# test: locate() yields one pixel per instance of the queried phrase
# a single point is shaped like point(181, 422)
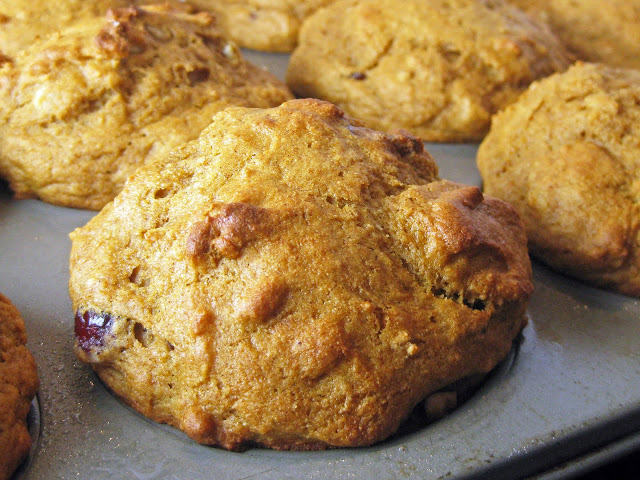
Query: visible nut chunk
point(160, 33)
point(264, 302)
point(228, 231)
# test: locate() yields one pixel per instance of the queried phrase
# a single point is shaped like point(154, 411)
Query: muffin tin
point(567, 398)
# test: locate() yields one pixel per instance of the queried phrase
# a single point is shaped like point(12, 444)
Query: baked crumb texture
point(18, 386)
point(81, 109)
point(566, 156)
point(294, 280)
point(439, 69)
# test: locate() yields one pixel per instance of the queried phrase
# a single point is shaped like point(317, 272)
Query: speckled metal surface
point(572, 385)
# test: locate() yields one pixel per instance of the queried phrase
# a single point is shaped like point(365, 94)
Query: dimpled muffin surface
point(82, 109)
point(597, 31)
point(294, 280)
point(566, 156)
point(437, 68)
point(268, 25)
point(18, 385)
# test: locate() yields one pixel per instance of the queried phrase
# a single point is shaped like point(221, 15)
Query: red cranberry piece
point(91, 328)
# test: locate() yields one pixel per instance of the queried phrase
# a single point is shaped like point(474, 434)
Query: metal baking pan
point(569, 393)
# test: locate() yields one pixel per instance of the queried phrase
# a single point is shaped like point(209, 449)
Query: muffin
point(268, 25)
point(294, 280)
point(566, 156)
point(437, 68)
point(18, 385)
point(602, 32)
point(83, 108)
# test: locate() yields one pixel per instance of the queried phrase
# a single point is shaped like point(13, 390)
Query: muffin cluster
point(294, 273)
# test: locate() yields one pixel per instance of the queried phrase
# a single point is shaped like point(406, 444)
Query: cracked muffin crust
point(437, 68)
point(294, 280)
point(268, 25)
point(596, 31)
point(566, 156)
point(81, 110)
point(18, 385)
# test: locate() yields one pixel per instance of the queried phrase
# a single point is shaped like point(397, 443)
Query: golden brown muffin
point(81, 110)
point(438, 68)
point(23, 21)
point(269, 25)
point(566, 156)
point(18, 386)
point(595, 30)
point(294, 280)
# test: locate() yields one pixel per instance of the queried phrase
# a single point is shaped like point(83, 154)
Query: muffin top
point(566, 156)
point(83, 108)
point(437, 68)
point(295, 280)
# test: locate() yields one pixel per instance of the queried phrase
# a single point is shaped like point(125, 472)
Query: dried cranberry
point(91, 328)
